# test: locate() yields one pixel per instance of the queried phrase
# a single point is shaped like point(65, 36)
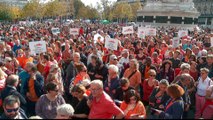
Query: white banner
point(37, 47)
point(111, 44)
point(96, 36)
point(175, 42)
point(211, 41)
point(74, 31)
point(151, 32)
point(182, 33)
point(55, 31)
point(128, 30)
point(141, 32)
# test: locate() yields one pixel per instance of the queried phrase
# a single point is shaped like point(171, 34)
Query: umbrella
point(105, 22)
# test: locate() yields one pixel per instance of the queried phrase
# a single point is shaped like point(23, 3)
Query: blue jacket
point(24, 77)
point(175, 111)
point(38, 85)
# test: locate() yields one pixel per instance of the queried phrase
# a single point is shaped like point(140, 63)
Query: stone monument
point(169, 12)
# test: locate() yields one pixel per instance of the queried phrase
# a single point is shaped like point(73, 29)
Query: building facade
point(130, 1)
point(205, 7)
point(15, 3)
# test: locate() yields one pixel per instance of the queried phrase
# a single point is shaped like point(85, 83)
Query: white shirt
point(124, 60)
point(203, 86)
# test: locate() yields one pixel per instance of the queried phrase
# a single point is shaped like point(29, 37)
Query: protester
point(133, 74)
point(159, 97)
point(132, 106)
point(34, 89)
point(64, 111)
point(112, 83)
point(166, 71)
point(47, 104)
point(207, 109)
point(82, 74)
point(148, 86)
point(81, 108)
point(203, 84)
point(101, 105)
point(175, 106)
point(121, 90)
point(12, 108)
point(12, 82)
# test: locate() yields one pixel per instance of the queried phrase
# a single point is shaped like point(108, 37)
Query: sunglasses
point(12, 110)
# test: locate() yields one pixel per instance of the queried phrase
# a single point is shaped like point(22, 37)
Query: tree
point(106, 8)
point(55, 8)
point(32, 9)
point(15, 12)
point(121, 11)
point(77, 6)
point(135, 7)
point(5, 13)
point(85, 12)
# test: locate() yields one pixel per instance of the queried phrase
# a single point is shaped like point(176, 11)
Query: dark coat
point(175, 111)
point(38, 85)
point(9, 90)
point(21, 111)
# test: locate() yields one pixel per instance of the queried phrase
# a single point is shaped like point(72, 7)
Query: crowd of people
point(78, 78)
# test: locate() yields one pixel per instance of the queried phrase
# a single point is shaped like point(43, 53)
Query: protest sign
point(111, 43)
point(37, 47)
point(55, 31)
point(141, 32)
point(96, 36)
point(151, 32)
point(74, 31)
point(128, 30)
point(175, 42)
point(182, 33)
point(211, 41)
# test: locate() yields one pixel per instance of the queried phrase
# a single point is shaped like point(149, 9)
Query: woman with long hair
point(132, 107)
point(166, 71)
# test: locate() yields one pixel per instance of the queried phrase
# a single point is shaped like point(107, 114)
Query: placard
point(211, 41)
point(74, 31)
point(151, 31)
point(141, 32)
point(55, 31)
point(175, 42)
point(96, 36)
point(128, 30)
point(182, 33)
point(111, 44)
point(37, 47)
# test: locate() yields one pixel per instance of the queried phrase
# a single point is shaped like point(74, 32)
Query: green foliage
point(5, 13)
point(85, 12)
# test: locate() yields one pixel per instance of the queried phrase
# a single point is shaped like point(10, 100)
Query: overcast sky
point(93, 2)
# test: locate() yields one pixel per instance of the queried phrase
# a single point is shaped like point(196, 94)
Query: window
point(176, 20)
point(148, 19)
point(161, 19)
